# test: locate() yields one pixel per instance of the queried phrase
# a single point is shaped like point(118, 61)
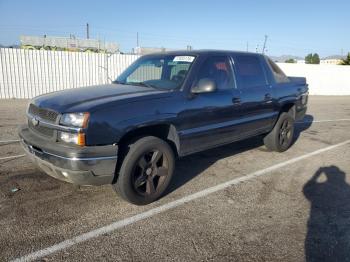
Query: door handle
point(236, 100)
point(268, 96)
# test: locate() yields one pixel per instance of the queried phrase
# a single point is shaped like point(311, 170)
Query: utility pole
point(87, 31)
point(257, 48)
point(137, 39)
point(247, 46)
point(263, 50)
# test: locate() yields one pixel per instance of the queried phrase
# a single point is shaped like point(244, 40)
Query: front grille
point(43, 113)
point(45, 131)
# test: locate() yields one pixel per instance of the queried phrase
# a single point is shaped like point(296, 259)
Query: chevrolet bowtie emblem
point(35, 121)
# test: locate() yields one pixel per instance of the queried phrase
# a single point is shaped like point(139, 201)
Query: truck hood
point(86, 99)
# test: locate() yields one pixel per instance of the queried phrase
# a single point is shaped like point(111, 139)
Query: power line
point(157, 39)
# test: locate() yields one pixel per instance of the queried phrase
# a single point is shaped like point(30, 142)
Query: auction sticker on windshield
point(188, 59)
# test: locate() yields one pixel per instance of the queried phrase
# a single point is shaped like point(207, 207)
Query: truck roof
point(202, 52)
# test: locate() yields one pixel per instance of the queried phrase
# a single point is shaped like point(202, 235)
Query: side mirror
point(204, 85)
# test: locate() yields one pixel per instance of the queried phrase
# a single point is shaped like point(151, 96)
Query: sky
point(293, 27)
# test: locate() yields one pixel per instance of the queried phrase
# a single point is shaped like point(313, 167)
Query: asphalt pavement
point(238, 202)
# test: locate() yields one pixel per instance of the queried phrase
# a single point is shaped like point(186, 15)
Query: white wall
point(322, 79)
point(29, 73)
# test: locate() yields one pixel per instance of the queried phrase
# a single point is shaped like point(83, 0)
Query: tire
point(281, 136)
point(146, 171)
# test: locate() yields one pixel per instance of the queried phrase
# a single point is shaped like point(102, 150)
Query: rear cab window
point(277, 73)
point(250, 71)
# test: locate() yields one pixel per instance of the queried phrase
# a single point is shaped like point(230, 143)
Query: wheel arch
point(164, 131)
point(288, 107)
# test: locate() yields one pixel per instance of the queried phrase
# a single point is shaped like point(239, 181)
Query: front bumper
point(82, 166)
point(300, 114)
point(301, 106)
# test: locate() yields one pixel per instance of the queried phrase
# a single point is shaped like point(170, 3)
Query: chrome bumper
point(76, 170)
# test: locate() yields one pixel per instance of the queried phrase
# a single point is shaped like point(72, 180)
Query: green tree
point(346, 61)
point(312, 59)
point(308, 59)
point(290, 60)
point(315, 59)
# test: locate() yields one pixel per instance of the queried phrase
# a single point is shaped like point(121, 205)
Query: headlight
point(75, 119)
point(72, 138)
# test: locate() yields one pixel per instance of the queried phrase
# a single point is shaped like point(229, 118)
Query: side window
point(218, 69)
point(250, 71)
point(278, 74)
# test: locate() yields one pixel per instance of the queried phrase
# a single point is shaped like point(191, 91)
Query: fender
point(149, 123)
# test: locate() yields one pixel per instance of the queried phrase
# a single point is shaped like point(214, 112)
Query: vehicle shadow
point(302, 125)
point(328, 227)
point(189, 167)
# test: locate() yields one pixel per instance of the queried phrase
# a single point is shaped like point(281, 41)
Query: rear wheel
point(281, 136)
point(146, 171)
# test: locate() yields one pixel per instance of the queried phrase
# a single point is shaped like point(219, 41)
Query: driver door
point(210, 117)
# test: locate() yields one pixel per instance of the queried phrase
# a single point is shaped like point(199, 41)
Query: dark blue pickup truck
point(163, 106)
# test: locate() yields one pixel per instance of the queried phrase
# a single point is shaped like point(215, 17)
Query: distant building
point(148, 50)
point(67, 44)
point(332, 60)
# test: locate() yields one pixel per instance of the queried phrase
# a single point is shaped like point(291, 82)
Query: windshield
point(160, 71)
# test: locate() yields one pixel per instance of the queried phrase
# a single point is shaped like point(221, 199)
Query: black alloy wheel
point(285, 132)
point(146, 170)
point(150, 172)
point(281, 136)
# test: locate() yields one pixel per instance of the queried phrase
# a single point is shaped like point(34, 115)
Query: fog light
point(68, 137)
point(78, 138)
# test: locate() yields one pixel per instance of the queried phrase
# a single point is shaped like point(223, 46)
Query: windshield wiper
point(118, 82)
point(135, 84)
point(145, 84)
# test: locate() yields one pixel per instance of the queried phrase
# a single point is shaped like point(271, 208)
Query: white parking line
point(9, 141)
point(11, 157)
point(157, 210)
point(321, 121)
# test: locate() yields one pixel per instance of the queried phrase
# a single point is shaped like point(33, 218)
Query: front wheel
point(146, 171)
point(281, 136)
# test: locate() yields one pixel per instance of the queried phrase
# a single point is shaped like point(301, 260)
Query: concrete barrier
point(322, 79)
point(28, 73)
